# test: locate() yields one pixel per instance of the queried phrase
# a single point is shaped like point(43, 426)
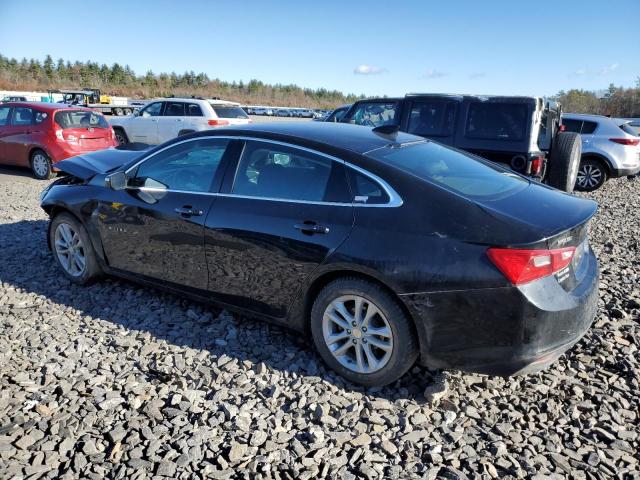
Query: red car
point(37, 135)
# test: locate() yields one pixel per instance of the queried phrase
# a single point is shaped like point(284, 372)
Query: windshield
point(224, 111)
point(374, 114)
point(453, 170)
point(80, 119)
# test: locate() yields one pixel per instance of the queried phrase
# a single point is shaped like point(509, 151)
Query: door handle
point(311, 228)
point(189, 211)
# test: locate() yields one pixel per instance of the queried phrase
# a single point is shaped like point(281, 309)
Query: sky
point(372, 47)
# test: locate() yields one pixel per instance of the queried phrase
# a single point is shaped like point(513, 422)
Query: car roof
point(344, 136)
point(46, 106)
point(584, 116)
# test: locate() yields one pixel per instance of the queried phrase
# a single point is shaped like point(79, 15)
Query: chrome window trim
point(394, 198)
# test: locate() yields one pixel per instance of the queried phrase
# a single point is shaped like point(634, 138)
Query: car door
point(155, 227)
point(587, 134)
point(5, 116)
point(170, 123)
point(280, 214)
point(144, 126)
point(16, 136)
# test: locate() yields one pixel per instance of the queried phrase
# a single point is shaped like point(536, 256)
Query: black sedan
point(382, 246)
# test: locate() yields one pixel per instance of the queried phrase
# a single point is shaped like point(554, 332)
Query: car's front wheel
point(72, 249)
point(591, 175)
point(362, 333)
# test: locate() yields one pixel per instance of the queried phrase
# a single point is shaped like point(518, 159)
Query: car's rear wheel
point(41, 165)
point(591, 175)
point(72, 249)
point(121, 137)
point(362, 333)
point(117, 111)
point(564, 161)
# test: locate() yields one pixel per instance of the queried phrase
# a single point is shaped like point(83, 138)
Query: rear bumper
point(624, 172)
point(504, 331)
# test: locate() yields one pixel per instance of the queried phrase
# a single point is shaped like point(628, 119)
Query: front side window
point(80, 119)
point(376, 114)
point(497, 121)
point(337, 115)
point(174, 109)
point(151, 110)
point(4, 115)
point(432, 118)
point(275, 171)
point(22, 116)
point(189, 166)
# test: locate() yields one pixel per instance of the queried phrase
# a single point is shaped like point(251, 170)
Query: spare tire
point(564, 161)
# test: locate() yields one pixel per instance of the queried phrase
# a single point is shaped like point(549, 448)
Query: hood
point(87, 165)
point(541, 210)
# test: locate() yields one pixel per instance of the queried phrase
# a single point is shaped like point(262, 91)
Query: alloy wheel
point(357, 334)
point(70, 250)
point(120, 138)
point(40, 164)
point(589, 176)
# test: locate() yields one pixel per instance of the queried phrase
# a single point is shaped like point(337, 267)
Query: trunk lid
point(91, 138)
point(87, 165)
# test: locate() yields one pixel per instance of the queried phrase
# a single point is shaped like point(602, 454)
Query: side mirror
point(117, 181)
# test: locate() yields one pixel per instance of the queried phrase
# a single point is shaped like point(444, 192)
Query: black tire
point(184, 132)
point(564, 161)
point(127, 111)
point(405, 345)
point(91, 267)
point(591, 175)
point(121, 136)
point(117, 111)
point(41, 166)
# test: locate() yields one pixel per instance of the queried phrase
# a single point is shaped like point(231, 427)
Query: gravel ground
point(121, 381)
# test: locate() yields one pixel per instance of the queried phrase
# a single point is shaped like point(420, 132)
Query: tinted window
point(174, 109)
point(366, 190)
point(193, 110)
point(4, 115)
point(22, 116)
point(151, 110)
point(374, 114)
point(274, 171)
point(497, 121)
point(79, 119)
point(337, 115)
point(572, 125)
point(229, 112)
point(628, 128)
point(189, 166)
point(588, 127)
point(452, 170)
point(432, 119)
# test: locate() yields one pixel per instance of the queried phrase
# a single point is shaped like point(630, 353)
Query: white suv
point(166, 118)
point(610, 148)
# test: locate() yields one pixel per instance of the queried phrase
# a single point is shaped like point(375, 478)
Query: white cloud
point(433, 73)
point(475, 75)
point(608, 69)
point(580, 72)
point(368, 70)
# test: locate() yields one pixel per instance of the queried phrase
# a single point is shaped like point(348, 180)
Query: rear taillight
point(626, 141)
point(536, 165)
point(523, 266)
point(217, 122)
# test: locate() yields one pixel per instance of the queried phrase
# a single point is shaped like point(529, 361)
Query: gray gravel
point(120, 381)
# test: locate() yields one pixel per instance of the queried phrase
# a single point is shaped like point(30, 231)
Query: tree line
point(615, 102)
point(118, 79)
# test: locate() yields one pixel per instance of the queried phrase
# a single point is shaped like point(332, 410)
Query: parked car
point(39, 135)
point(522, 132)
point(610, 148)
point(13, 98)
point(282, 112)
point(380, 248)
point(168, 118)
point(336, 115)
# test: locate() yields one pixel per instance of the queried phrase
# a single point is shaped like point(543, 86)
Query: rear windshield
point(630, 129)
point(453, 170)
point(80, 119)
point(497, 121)
point(223, 111)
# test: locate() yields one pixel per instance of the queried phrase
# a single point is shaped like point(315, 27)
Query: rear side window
point(79, 119)
point(588, 127)
point(22, 116)
point(174, 109)
point(375, 114)
point(193, 110)
point(432, 118)
point(280, 172)
point(572, 125)
point(497, 121)
point(4, 115)
point(453, 170)
point(223, 111)
point(366, 190)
